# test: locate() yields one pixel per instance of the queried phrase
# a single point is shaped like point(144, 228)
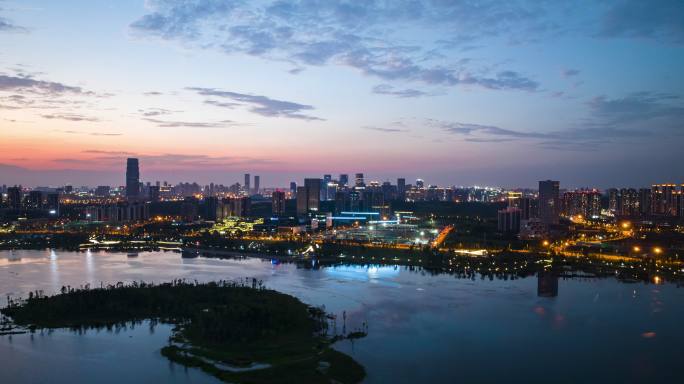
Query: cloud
point(151, 112)
point(152, 93)
point(175, 161)
point(569, 72)
point(70, 117)
point(637, 108)
point(30, 85)
point(660, 20)
point(366, 36)
point(189, 124)
point(106, 134)
point(260, 105)
point(385, 130)
point(386, 89)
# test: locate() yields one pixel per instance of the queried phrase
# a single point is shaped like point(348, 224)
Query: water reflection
point(547, 284)
point(441, 323)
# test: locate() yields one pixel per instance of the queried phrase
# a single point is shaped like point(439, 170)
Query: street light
point(636, 249)
point(657, 250)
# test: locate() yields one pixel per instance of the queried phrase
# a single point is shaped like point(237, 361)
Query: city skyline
point(589, 94)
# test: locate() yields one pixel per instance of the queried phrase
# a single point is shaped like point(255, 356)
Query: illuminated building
point(34, 200)
point(528, 208)
point(514, 199)
point(549, 201)
point(585, 202)
point(102, 191)
point(293, 188)
point(278, 203)
point(629, 202)
point(420, 183)
point(613, 200)
point(664, 199)
point(309, 196)
point(132, 178)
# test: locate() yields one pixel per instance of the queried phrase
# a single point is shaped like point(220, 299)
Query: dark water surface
point(422, 327)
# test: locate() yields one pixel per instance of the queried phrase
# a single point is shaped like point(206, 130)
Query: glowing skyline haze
point(454, 92)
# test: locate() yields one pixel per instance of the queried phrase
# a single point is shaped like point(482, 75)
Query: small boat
point(132, 254)
point(189, 253)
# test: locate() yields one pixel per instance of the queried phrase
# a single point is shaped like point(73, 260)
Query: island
point(237, 331)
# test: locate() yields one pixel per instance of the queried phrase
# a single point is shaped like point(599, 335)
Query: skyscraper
point(257, 181)
point(549, 201)
point(132, 178)
point(309, 196)
point(14, 197)
point(247, 182)
point(344, 180)
point(278, 203)
point(360, 182)
point(401, 188)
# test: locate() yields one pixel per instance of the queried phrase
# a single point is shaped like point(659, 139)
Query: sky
point(499, 93)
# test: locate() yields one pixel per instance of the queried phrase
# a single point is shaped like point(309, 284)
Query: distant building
point(278, 203)
point(247, 183)
point(344, 180)
point(14, 197)
point(509, 220)
point(119, 213)
point(629, 202)
point(34, 200)
point(52, 203)
point(257, 186)
point(644, 201)
point(309, 196)
point(360, 182)
point(549, 201)
point(584, 202)
point(664, 200)
point(293, 188)
point(401, 189)
point(102, 191)
point(132, 178)
point(155, 193)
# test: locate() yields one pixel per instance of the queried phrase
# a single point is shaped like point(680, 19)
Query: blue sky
point(455, 92)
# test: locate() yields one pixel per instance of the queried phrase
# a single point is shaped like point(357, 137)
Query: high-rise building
point(644, 201)
point(278, 203)
point(360, 182)
point(34, 200)
point(613, 200)
point(585, 202)
point(629, 202)
point(549, 201)
point(155, 193)
point(247, 183)
point(132, 178)
point(344, 180)
point(257, 186)
point(293, 188)
point(664, 199)
point(509, 220)
point(420, 183)
point(401, 188)
point(53, 203)
point(14, 197)
point(102, 191)
point(513, 199)
point(309, 196)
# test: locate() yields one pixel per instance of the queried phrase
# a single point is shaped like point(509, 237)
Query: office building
point(401, 188)
point(360, 181)
point(344, 180)
point(308, 196)
point(278, 203)
point(549, 202)
point(247, 184)
point(132, 178)
point(508, 220)
point(257, 184)
point(14, 197)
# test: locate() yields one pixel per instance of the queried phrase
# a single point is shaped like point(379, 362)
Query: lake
point(422, 327)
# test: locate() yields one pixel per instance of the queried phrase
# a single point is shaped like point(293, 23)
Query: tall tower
point(132, 178)
point(549, 201)
point(257, 181)
point(247, 183)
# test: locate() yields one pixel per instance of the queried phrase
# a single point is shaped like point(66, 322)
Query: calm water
point(422, 328)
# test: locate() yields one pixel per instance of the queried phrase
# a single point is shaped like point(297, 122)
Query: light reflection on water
point(422, 327)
